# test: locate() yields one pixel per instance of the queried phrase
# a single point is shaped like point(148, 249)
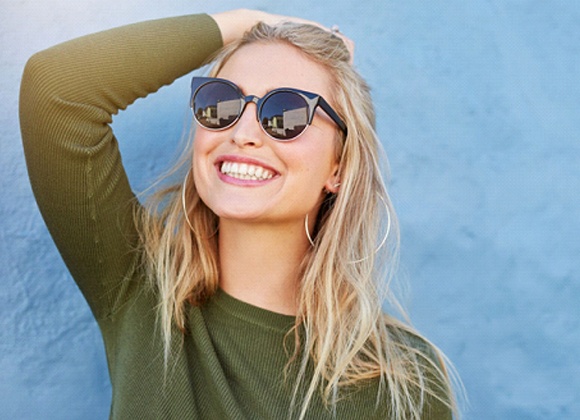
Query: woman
point(248, 290)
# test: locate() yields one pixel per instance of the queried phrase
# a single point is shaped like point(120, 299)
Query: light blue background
point(478, 106)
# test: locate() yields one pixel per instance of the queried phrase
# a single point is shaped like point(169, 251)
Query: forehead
point(260, 67)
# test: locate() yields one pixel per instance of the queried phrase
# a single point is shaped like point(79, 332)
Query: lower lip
point(243, 182)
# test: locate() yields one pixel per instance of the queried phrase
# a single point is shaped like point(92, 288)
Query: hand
point(234, 23)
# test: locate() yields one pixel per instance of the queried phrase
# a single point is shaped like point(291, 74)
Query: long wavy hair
point(342, 335)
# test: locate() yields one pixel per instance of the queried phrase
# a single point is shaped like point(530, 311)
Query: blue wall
point(479, 111)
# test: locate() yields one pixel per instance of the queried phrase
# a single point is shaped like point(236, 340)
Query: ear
point(332, 184)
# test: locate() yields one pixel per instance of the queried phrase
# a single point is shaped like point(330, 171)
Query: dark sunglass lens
point(284, 115)
point(216, 105)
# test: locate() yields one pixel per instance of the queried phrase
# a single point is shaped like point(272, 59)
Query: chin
point(240, 214)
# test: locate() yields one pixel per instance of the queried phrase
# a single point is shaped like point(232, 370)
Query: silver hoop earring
point(383, 241)
point(183, 204)
point(307, 231)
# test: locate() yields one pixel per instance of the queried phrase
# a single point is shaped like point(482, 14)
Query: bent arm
point(68, 96)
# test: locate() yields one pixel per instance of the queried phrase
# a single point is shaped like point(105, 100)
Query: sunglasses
point(284, 113)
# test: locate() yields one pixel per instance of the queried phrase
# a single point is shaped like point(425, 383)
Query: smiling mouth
point(245, 171)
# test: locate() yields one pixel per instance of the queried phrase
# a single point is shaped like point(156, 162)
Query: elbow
point(33, 94)
point(42, 87)
point(41, 92)
point(37, 78)
point(48, 74)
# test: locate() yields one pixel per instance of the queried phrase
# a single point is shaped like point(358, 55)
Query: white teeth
point(245, 171)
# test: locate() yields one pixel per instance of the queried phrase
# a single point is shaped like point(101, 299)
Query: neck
point(259, 264)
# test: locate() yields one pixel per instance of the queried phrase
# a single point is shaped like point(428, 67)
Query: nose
point(247, 131)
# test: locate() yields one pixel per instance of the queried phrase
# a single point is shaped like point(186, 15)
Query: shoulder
point(412, 342)
point(426, 369)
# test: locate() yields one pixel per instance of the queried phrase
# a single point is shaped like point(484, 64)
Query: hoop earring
point(383, 241)
point(307, 231)
point(183, 204)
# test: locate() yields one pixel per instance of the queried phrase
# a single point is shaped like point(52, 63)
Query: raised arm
point(68, 96)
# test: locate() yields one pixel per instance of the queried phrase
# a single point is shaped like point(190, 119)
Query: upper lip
point(244, 159)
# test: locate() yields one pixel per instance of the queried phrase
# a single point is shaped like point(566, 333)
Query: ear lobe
point(332, 185)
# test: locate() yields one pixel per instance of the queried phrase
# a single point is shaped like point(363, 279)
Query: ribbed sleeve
point(68, 96)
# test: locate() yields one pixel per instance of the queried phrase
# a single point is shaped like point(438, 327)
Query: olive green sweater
point(229, 364)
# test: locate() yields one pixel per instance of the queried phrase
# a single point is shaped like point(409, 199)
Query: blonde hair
point(340, 327)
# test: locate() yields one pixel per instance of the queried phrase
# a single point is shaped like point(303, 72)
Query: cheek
point(322, 153)
point(204, 144)
point(198, 152)
point(315, 163)
point(200, 142)
point(201, 162)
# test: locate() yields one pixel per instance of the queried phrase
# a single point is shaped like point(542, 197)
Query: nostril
point(243, 142)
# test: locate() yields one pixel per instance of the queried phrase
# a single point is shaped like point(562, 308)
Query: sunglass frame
point(313, 100)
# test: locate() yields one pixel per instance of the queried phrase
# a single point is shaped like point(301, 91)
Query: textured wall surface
point(479, 110)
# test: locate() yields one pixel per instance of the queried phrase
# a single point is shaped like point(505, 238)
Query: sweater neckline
point(249, 313)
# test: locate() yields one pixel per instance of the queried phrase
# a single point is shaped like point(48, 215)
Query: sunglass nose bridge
point(247, 100)
point(251, 98)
